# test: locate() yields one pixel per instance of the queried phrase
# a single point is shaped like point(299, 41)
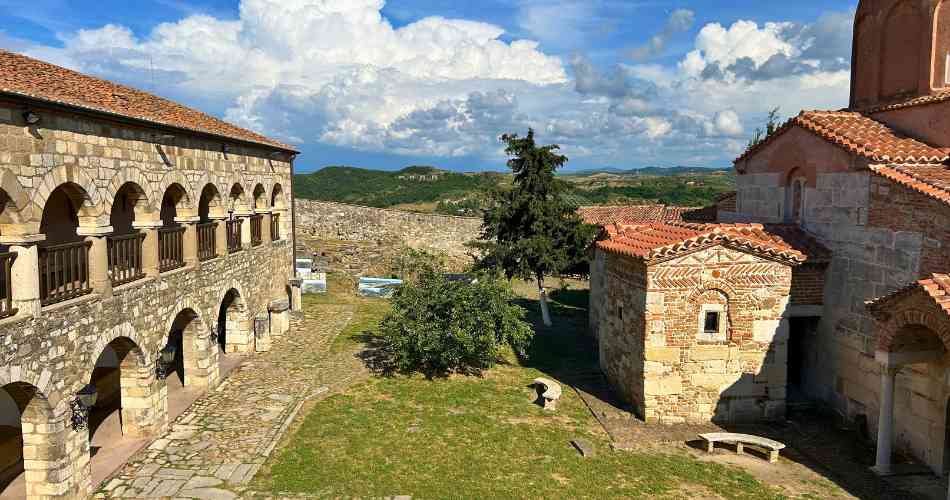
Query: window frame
point(721, 334)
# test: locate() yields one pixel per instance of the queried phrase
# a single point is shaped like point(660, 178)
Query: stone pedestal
point(245, 227)
point(150, 261)
point(221, 236)
point(279, 317)
point(296, 294)
point(262, 337)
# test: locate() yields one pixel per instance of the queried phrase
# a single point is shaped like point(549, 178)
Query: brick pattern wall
point(659, 360)
point(808, 285)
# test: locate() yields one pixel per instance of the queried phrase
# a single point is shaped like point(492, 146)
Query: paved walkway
point(216, 446)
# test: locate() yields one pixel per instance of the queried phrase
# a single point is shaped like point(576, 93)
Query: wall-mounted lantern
point(85, 400)
point(166, 359)
point(30, 117)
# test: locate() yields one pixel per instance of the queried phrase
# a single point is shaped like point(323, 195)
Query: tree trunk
point(545, 314)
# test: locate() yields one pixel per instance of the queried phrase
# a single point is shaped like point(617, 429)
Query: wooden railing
point(207, 241)
point(125, 258)
point(64, 272)
point(171, 249)
point(234, 235)
point(256, 231)
point(6, 285)
point(275, 227)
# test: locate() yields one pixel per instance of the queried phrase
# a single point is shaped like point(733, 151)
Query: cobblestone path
point(216, 447)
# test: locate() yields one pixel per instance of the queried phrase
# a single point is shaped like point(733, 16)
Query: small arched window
point(795, 197)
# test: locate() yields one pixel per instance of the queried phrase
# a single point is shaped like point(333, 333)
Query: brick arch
point(936, 322)
point(733, 302)
point(92, 203)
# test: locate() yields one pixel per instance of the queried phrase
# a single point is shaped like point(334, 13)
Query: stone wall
point(655, 352)
point(388, 230)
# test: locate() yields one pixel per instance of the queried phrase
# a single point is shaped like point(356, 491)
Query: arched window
point(795, 197)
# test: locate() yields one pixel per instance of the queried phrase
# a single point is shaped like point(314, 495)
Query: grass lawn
point(471, 437)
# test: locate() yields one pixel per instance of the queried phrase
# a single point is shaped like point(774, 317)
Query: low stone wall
point(382, 232)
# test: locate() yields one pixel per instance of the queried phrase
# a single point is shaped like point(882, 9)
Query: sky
point(391, 83)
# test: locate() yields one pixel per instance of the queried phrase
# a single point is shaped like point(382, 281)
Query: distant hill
point(654, 171)
point(430, 189)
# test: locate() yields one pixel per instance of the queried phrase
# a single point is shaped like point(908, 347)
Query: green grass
point(482, 437)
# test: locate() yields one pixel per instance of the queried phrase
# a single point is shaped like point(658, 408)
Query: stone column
point(25, 275)
point(885, 423)
point(150, 262)
point(262, 338)
point(190, 239)
point(144, 399)
point(265, 226)
point(245, 216)
point(221, 236)
point(98, 258)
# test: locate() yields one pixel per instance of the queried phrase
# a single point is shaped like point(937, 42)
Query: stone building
point(696, 317)
point(872, 184)
point(143, 246)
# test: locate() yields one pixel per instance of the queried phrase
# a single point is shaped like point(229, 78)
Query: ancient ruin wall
point(381, 231)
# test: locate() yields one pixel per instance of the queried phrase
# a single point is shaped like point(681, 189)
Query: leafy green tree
point(532, 230)
point(438, 326)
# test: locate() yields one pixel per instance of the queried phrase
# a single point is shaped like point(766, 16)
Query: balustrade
point(207, 241)
point(256, 231)
point(171, 252)
point(234, 235)
point(64, 272)
point(125, 258)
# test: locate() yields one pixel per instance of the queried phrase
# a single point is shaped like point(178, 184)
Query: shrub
point(439, 326)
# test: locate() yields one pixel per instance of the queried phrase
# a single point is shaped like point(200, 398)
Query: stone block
point(664, 386)
point(706, 353)
point(663, 354)
point(765, 330)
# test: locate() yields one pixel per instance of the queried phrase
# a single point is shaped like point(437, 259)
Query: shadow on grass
point(566, 351)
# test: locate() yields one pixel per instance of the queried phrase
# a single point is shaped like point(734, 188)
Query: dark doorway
point(801, 341)
point(946, 442)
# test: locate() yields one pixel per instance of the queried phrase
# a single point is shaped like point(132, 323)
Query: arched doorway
point(234, 327)
point(26, 417)
point(194, 365)
point(129, 406)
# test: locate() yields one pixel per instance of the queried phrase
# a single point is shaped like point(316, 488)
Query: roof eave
point(100, 113)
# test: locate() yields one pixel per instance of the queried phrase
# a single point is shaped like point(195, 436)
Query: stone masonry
point(48, 352)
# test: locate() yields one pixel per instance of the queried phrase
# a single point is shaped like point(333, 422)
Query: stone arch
point(68, 208)
point(35, 430)
point(711, 295)
point(196, 359)
point(795, 186)
point(210, 204)
point(84, 196)
point(260, 197)
point(42, 380)
point(237, 198)
point(130, 204)
point(901, 46)
point(15, 206)
point(125, 382)
point(235, 321)
point(912, 318)
point(277, 201)
point(134, 176)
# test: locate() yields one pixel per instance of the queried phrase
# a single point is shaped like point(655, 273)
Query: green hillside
point(429, 189)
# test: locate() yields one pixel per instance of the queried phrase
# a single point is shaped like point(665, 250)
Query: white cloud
point(339, 73)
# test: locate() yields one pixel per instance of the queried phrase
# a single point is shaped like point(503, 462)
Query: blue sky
point(385, 84)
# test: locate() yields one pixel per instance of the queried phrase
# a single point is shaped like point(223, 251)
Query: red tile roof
point(931, 180)
point(937, 286)
point(637, 214)
point(27, 77)
point(859, 135)
point(655, 242)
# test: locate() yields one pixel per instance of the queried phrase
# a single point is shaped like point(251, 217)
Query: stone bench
point(549, 391)
point(740, 440)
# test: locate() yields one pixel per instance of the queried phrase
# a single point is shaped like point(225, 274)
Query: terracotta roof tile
point(27, 77)
point(937, 286)
point(659, 241)
point(931, 180)
point(637, 214)
point(859, 135)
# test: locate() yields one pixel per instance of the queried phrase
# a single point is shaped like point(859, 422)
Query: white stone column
point(885, 423)
point(296, 294)
point(25, 273)
point(98, 258)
